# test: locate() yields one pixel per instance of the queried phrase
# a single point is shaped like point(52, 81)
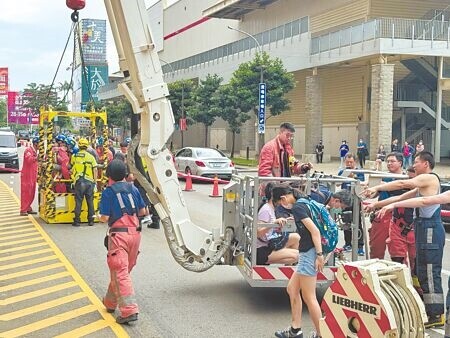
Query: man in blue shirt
point(120, 205)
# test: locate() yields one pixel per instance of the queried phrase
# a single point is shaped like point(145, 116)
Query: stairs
point(422, 107)
point(424, 71)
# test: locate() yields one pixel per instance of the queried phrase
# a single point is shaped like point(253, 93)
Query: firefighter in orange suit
point(28, 178)
point(120, 206)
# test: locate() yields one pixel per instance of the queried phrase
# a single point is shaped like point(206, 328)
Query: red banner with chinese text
point(3, 81)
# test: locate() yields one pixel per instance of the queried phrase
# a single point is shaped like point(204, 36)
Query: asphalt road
point(175, 302)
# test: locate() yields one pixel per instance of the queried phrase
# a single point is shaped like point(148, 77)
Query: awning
point(235, 9)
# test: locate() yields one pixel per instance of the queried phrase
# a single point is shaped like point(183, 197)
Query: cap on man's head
point(116, 170)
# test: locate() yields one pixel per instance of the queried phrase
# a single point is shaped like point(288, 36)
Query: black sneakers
point(288, 333)
point(126, 320)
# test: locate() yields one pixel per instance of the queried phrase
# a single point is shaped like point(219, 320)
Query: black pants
point(84, 188)
point(362, 159)
point(348, 235)
point(319, 157)
point(155, 216)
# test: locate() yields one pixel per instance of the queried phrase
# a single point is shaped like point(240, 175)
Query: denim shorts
point(307, 263)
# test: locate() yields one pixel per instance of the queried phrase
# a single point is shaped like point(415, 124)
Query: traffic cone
point(215, 192)
point(188, 186)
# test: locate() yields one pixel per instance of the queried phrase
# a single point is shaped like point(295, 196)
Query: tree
point(180, 97)
point(118, 111)
point(41, 95)
point(181, 100)
point(278, 81)
point(205, 109)
point(230, 111)
point(3, 113)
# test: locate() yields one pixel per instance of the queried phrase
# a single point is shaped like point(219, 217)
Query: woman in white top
point(274, 246)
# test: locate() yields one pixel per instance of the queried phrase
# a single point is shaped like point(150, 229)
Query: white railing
point(393, 28)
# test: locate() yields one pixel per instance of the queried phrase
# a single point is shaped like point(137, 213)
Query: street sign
point(262, 109)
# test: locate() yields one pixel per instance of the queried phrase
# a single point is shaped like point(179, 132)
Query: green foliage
point(117, 111)
point(205, 109)
point(3, 113)
point(228, 108)
point(181, 98)
point(37, 96)
point(278, 81)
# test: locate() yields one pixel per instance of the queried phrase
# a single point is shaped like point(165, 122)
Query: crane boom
point(193, 247)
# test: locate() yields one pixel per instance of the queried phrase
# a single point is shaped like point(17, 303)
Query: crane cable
point(59, 64)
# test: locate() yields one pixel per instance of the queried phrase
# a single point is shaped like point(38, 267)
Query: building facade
point(371, 69)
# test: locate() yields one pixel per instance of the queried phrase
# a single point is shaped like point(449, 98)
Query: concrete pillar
point(381, 107)
point(313, 111)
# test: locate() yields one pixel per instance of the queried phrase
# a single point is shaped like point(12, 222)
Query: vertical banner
point(262, 109)
point(183, 125)
point(3, 81)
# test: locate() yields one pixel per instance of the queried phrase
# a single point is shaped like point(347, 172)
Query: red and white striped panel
point(352, 297)
point(267, 272)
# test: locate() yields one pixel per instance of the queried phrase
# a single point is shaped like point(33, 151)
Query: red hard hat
point(75, 4)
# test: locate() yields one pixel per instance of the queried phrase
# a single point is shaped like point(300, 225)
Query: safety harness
point(80, 166)
point(126, 218)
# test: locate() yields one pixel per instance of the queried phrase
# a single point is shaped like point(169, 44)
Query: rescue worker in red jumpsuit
point(61, 164)
point(28, 178)
point(120, 205)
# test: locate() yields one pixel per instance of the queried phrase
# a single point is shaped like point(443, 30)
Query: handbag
point(279, 242)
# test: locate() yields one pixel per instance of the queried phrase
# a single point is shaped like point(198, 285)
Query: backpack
point(326, 225)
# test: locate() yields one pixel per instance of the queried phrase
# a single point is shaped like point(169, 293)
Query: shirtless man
point(429, 231)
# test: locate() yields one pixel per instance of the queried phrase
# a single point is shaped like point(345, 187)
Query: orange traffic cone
point(188, 186)
point(215, 192)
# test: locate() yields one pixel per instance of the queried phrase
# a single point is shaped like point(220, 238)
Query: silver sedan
point(206, 162)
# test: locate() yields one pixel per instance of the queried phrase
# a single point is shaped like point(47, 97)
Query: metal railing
point(279, 33)
point(394, 28)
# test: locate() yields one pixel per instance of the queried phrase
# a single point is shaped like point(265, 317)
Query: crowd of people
point(405, 222)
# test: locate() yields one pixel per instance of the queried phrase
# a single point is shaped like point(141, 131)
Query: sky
point(32, 38)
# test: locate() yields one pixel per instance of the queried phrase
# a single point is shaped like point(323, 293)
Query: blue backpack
point(326, 225)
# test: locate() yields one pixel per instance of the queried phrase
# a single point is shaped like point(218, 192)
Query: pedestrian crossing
point(41, 293)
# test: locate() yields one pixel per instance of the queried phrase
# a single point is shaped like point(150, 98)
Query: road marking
point(37, 293)
point(33, 268)
point(41, 324)
point(28, 262)
point(25, 254)
point(85, 330)
point(23, 247)
point(34, 281)
point(445, 272)
point(42, 306)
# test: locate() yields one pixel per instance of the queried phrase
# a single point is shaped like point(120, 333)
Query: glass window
point(288, 30)
point(304, 24)
point(295, 27)
point(280, 32)
point(273, 35)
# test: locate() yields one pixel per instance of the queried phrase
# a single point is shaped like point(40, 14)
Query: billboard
point(3, 81)
point(96, 77)
point(93, 41)
point(17, 113)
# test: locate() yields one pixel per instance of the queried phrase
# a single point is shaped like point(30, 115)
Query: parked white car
point(206, 162)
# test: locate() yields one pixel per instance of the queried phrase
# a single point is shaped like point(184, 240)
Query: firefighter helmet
point(83, 143)
point(61, 138)
point(36, 139)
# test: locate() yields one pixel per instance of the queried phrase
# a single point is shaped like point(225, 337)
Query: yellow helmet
point(83, 143)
